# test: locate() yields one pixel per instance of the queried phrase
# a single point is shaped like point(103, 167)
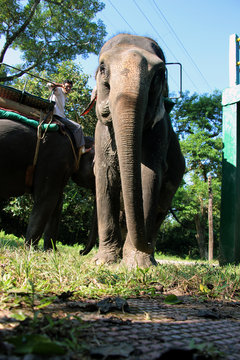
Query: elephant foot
point(49, 246)
point(133, 258)
point(31, 244)
point(103, 257)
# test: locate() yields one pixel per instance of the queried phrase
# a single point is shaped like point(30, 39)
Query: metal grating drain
point(152, 328)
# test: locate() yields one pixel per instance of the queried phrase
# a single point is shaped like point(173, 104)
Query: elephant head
point(131, 87)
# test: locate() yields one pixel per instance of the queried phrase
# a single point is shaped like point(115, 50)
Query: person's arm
point(52, 86)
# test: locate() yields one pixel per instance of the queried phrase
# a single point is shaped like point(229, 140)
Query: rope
point(39, 138)
point(31, 168)
point(48, 124)
point(76, 158)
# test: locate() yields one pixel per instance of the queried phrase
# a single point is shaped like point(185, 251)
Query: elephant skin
point(55, 165)
point(137, 152)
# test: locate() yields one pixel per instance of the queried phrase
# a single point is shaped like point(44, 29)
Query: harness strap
point(31, 168)
point(76, 157)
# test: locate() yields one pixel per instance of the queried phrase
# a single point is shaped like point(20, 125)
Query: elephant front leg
point(110, 242)
point(107, 198)
point(37, 221)
point(150, 196)
point(51, 228)
point(42, 211)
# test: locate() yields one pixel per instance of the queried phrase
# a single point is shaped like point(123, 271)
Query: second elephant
point(55, 165)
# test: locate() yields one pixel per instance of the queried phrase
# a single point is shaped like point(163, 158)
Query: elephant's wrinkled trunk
point(127, 116)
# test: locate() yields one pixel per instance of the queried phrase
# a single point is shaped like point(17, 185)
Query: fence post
point(230, 201)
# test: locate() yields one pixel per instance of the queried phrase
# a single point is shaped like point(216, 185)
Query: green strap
point(23, 119)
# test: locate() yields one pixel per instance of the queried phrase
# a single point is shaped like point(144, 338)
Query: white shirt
point(59, 97)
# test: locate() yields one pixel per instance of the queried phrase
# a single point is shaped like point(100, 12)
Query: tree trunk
point(200, 236)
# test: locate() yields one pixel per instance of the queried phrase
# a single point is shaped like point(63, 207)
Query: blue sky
point(194, 33)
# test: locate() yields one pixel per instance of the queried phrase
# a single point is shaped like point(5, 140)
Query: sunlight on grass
point(51, 273)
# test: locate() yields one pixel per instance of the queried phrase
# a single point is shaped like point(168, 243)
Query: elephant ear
point(165, 106)
point(160, 111)
point(169, 104)
point(158, 102)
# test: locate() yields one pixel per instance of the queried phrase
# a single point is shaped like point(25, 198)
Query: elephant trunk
point(128, 116)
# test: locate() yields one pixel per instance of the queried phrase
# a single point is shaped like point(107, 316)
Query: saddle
point(33, 111)
point(30, 110)
point(26, 108)
point(24, 103)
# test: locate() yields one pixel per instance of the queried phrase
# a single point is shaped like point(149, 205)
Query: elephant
point(137, 152)
point(55, 165)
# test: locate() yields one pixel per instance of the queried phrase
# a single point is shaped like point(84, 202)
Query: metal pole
point(180, 78)
point(210, 220)
point(234, 60)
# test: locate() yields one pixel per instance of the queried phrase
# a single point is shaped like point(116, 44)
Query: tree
point(198, 121)
point(48, 32)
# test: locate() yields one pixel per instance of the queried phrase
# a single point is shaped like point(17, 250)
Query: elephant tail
point(176, 218)
point(92, 238)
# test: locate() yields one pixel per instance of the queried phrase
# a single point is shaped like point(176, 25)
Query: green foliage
point(198, 121)
point(20, 207)
point(172, 300)
point(207, 350)
point(49, 32)
point(76, 218)
point(36, 344)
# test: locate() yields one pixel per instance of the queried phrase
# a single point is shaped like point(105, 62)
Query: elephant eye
point(102, 69)
point(105, 75)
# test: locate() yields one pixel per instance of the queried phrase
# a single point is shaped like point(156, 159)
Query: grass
point(52, 273)
point(31, 280)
